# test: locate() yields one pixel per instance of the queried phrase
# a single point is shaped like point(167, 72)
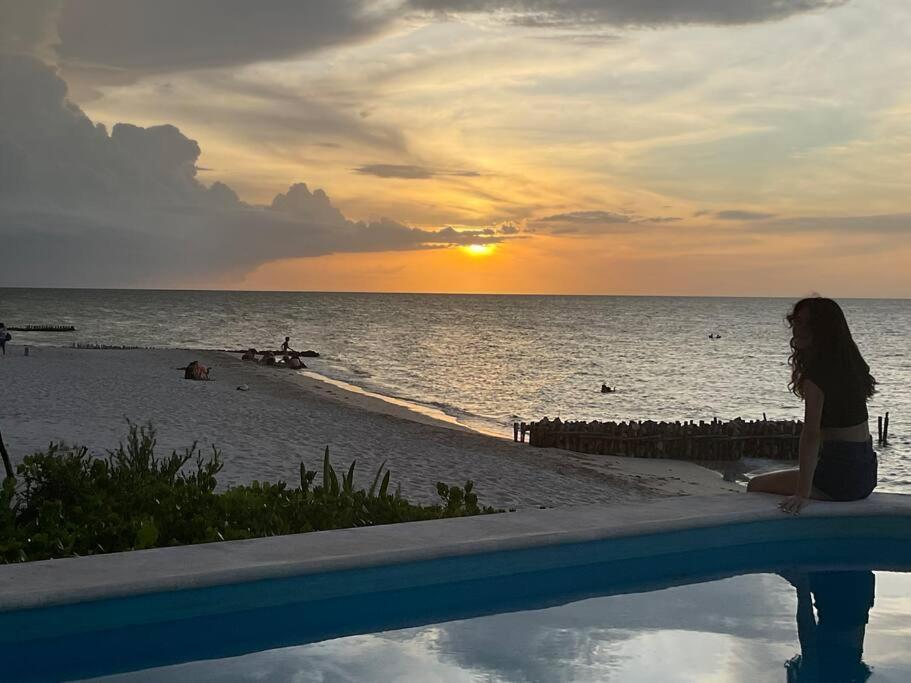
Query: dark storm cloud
point(587, 217)
point(734, 215)
point(584, 223)
point(561, 13)
point(160, 35)
point(28, 27)
point(410, 172)
point(881, 224)
point(124, 38)
point(79, 206)
point(597, 222)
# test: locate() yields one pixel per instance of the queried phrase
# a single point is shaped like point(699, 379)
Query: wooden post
point(886, 429)
point(7, 465)
point(515, 431)
point(879, 430)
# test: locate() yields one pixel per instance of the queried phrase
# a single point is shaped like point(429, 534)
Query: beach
point(86, 397)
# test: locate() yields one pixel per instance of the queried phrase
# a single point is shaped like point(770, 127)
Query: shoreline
point(84, 398)
point(369, 399)
point(391, 405)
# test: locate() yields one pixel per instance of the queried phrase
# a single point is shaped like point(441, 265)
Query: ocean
point(488, 360)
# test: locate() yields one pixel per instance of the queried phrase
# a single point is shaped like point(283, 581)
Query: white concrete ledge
point(77, 580)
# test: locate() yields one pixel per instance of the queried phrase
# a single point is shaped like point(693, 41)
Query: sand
point(85, 397)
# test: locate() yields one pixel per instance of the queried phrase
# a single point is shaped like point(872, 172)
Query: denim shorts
point(846, 469)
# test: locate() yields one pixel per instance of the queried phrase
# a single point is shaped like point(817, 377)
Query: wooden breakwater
point(882, 433)
point(42, 328)
point(93, 346)
point(688, 440)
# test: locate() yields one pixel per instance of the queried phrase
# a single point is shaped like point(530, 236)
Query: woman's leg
point(782, 482)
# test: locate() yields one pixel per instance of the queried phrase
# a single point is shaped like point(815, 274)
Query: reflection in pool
point(811, 627)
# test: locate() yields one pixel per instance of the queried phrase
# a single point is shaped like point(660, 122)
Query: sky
point(693, 147)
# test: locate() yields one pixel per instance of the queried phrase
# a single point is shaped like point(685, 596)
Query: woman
point(836, 456)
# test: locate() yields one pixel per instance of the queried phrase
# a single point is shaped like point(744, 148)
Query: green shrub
point(66, 502)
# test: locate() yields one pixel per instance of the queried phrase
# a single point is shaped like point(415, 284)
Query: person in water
point(286, 345)
point(836, 456)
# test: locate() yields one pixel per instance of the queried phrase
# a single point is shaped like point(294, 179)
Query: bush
point(68, 503)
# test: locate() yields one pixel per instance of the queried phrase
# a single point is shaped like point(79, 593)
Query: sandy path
point(85, 397)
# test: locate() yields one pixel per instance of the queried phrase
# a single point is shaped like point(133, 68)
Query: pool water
point(739, 629)
point(738, 602)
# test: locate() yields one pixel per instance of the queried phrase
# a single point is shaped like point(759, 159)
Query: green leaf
point(348, 481)
point(326, 468)
point(333, 482)
point(376, 479)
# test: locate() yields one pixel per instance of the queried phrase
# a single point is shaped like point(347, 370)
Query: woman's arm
point(810, 438)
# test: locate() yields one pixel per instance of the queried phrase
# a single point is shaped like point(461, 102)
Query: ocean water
point(488, 360)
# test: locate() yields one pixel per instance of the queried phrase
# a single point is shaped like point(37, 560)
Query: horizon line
point(479, 294)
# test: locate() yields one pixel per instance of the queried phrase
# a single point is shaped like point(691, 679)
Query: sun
point(479, 249)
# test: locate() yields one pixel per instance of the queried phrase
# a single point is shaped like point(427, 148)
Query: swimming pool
point(741, 629)
point(657, 606)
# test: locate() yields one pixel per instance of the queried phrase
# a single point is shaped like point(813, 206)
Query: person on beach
point(4, 337)
point(286, 345)
point(836, 456)
point(196, 370)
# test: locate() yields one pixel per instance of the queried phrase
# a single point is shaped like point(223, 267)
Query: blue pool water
point(714, 604)
point(741, 629)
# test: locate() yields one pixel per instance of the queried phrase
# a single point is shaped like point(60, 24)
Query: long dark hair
point(832, 346)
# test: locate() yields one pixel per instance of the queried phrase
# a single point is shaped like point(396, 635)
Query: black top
point(845, 403)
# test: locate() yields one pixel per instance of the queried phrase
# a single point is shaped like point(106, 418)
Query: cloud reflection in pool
point(736, 630)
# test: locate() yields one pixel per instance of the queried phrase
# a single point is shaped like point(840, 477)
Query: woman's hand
point(793, 504)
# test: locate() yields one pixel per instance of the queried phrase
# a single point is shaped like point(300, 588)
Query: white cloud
point(81, 207)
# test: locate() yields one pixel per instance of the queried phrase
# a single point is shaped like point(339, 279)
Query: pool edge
point(116, 575)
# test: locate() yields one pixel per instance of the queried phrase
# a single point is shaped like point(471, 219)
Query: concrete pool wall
point(124, 612)
point(721, 520)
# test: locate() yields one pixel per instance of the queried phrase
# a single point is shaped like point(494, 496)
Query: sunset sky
point(730, 147)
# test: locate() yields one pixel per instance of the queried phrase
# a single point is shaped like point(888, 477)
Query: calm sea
point(489, 360)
